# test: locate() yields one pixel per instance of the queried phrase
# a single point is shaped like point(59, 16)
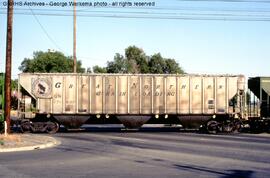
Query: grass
point(9, 138)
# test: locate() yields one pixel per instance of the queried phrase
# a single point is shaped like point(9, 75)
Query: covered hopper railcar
point(47, 100)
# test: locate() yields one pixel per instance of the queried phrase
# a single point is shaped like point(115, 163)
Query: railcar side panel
point(70, 92)
point(158, 95)
point(184, 98)
point(146, 98)
point(122, 96)
point(171, 95)
point(96, 94)
point(110, 95)
point(134, 93)
point(232, 91)
point(196, 98)
point(83, 94)
point(44, 105)
point(208, 90)
point(57, 97)
point(221, 94)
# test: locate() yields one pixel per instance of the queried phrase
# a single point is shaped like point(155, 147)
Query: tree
point(137, 60)
point(49, 62)
point(172, 67)
point(157, 64)
point(97, 69)
point(14, 84)
point(118, 65)
point(89, 70)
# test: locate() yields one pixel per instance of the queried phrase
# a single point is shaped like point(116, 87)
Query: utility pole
point(8, 65)
point(74, 38)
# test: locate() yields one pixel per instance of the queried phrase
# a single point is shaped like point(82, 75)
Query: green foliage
point(119, 65)
point(14, 84)
point(157, 64)
point(172, 67)
point(97, 69)
point(49, 62)
point(136, 61)
point(89, 70)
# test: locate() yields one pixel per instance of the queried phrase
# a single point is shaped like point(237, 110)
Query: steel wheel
point(52, 127)
point(26, 127)
point(212, 126)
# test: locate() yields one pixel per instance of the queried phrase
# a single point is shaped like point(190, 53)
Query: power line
point(183, 16)
point(240, 13)
point(168, 8)
point(148, 12)
point(44, 30)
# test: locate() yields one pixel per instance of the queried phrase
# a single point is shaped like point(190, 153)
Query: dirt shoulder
point(26, 142)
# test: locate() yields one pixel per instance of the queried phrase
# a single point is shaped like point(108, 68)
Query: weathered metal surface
point(135, 103)
point(191, 121)
point(158, 95)
point(171, 94)
point(96, 91)
point(83, 94)
point(57, 97)
point(122, 94)
point(133, 122)
point(71, 121)
point(110, 95)
point(184, 95)
point(146, 95)
point(208, 98)
point(221, 95)
point(70, 94)
point(196, 95)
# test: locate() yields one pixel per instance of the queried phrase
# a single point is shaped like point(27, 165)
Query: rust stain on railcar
point(171, 94)
point(70, 92)
point(110, 95)
point(83, 94)
point(134, 95)
point(96, 94)
point(122, 103)
point(146, 99)
point(208, 90)
point(158, 95)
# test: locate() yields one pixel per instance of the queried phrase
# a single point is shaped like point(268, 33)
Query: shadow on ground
point(121, 128)
point(223, 174)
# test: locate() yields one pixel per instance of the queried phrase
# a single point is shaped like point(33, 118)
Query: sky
point(204, 37)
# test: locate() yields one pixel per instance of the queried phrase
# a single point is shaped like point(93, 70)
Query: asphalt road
point(149, 153)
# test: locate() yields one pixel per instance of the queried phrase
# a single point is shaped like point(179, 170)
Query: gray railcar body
point(134, 98)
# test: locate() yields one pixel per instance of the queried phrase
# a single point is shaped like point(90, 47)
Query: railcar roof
point(122, 74)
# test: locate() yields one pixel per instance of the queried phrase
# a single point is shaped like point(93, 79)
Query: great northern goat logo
point(41, 88)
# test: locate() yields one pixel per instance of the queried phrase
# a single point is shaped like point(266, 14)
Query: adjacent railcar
point(48, 100)
point(258, 102)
